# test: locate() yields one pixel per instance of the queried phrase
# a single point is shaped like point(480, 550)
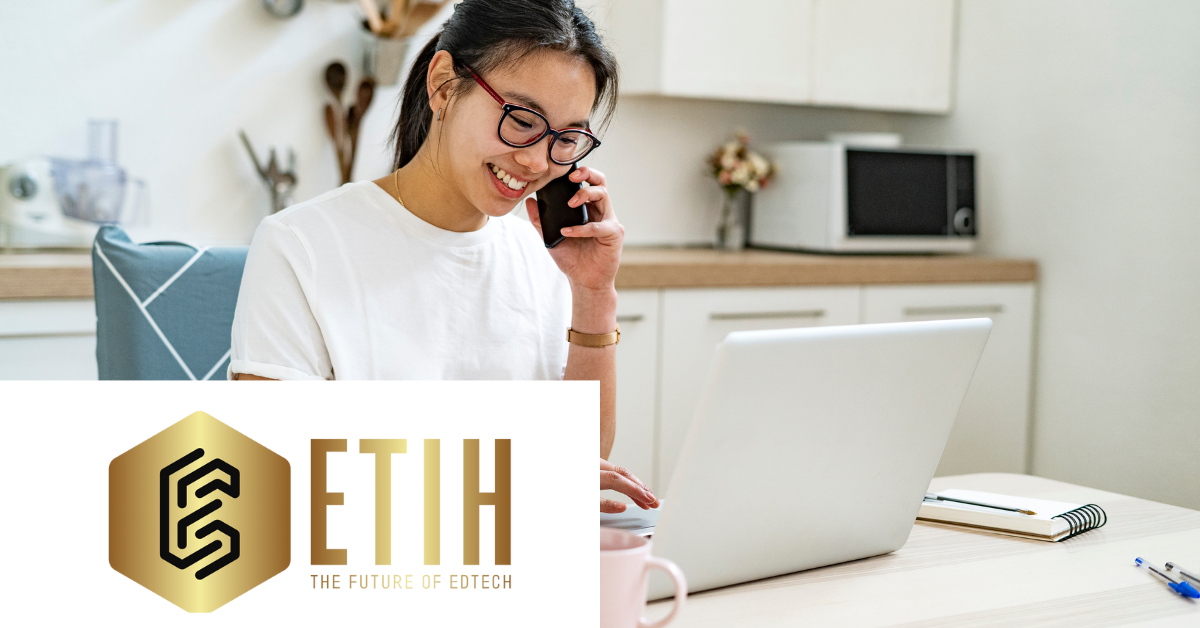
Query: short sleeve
point(275, 333)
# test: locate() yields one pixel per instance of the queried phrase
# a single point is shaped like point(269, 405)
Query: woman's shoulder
point(313, 218)
point(350, 195)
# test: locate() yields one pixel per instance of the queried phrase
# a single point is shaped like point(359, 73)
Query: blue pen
point(1183, 572)
point(1182, 588)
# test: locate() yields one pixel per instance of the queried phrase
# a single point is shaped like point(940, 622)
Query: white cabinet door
point(884, 54)
point(991, 430)
point(694, 321)
point(749, 50)
point(869, 54)
point(637, 384)
point(48, 339)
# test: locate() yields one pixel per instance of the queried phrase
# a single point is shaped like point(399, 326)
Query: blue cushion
point(164, 310)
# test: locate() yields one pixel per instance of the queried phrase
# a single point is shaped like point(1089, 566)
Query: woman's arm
point(589, 257)
point(596, 313)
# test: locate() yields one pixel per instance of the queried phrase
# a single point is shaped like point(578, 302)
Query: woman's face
point(560, 87)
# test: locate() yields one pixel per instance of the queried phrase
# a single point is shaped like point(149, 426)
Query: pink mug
point(625, 562)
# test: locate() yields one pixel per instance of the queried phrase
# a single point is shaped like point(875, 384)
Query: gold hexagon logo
point(199, 513)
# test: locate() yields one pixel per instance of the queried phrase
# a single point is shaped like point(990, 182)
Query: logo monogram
point(202, 528)
point(231, 488)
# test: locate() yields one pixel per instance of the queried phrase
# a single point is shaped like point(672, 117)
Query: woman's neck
point(432, 197)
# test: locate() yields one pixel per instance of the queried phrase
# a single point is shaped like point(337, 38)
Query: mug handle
point(680, 590)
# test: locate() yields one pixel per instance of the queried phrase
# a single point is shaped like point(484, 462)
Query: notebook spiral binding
point(1082, 519)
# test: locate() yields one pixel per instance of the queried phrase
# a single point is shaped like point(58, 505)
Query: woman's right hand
point(621, 480)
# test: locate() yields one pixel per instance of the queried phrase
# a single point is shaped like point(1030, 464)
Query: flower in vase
point(736, 167)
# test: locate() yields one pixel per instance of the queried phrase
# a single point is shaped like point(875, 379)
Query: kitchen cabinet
point(637, 383)
point(874, 54)
point(705, 51)
point(48, 339)
point(695, 320)
point(892, 55)
point(991, 431)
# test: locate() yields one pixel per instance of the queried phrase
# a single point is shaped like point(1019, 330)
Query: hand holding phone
point(554, 212)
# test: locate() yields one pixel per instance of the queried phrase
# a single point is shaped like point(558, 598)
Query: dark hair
point(487, 34)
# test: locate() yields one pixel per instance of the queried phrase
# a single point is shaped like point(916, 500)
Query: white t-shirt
point(351, 285)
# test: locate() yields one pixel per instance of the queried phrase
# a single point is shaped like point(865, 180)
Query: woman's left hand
point(621, 480)
point(590, 254)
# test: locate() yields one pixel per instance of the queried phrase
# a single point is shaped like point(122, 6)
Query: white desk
point(948, 576)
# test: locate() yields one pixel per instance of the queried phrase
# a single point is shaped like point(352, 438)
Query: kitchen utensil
point(335, 133)
point(418, 15)
point(94, 189)
point(394, 18)
point(374, 20)
point(399, 7)
point(384, 57)
point(335, 79)
point(344, 133)
point(363, 98)
point(283, 8)
point(366, 93)
point(280, 183)
point(347, 163)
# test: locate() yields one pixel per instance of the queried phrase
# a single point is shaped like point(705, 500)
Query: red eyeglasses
point(521, 126)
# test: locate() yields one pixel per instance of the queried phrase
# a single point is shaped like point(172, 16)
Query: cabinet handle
point(958, 310)
point(749, 316)
point(630, 318)
point(46, 334)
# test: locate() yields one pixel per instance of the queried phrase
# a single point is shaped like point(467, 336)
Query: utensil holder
point(384, 57)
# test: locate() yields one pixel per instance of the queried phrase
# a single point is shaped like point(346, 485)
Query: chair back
point(164, 310)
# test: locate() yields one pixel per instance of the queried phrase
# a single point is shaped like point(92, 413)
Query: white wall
point(182, 76)
point(1086, 116)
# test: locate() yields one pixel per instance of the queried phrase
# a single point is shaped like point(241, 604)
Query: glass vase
point(733, 226)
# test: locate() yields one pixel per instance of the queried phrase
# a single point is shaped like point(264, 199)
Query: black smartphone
point(554, 212)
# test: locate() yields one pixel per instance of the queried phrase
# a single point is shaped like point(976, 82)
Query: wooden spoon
point(399, 8)
point(366, 93)
point(335, 79)
point(418, 15)
point(374, 20)
point(339, 142)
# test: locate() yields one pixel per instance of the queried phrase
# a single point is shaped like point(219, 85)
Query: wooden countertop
point(69, 275)
point(702, 268)
point(46, 276)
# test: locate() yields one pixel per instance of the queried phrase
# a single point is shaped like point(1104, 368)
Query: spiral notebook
point(1054, 521)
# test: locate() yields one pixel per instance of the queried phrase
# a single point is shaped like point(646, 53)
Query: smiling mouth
point(507, 179)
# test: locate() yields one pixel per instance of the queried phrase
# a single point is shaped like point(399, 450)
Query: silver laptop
point(810, 447)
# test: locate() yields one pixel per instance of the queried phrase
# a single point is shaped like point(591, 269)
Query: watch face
point(283, 8)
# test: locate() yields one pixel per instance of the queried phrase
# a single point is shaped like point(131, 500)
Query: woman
point(424, 274)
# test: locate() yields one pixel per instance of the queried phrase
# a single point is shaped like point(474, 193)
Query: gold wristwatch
point(594, 340)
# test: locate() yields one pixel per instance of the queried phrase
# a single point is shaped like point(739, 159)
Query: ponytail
point(415, 115)
point(485, 35)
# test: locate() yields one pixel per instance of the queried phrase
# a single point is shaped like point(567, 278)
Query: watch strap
point(594, 340)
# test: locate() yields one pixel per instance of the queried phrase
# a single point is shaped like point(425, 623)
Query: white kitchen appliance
point(835, 197)
point(50, 202)
point(31, 215)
